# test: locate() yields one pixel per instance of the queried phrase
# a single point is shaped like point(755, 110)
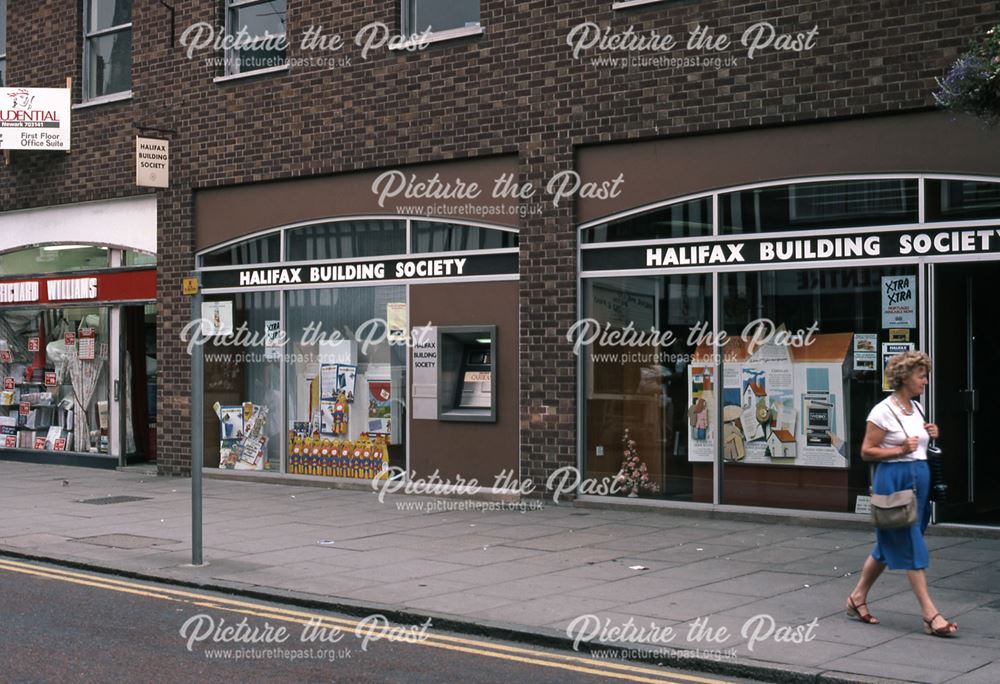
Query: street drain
point(125, 541)
point(105, 500)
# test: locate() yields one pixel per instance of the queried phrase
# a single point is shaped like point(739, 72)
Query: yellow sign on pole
point(190, 286)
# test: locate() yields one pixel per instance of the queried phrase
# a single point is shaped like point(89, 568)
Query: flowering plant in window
point(633, 477)
point(972, 85)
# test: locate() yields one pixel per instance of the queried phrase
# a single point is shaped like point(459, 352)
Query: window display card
point(228, 453)
point(346, 376)
point(865, 361)
point(8, 384)
point(379, 399)
point(59, 444)
point(87, 348)
point(232, 422)
point(272, 340)
point(50, 378)
point(865, 342)
point(33, 344)
point(890, 349)
point(216, 318)
point(395, 317)
point(39, 443)
point(328, 382)
point(899, 302)
point(6, 356)
point(24, 408)
point(10, 441)
point(69, 339)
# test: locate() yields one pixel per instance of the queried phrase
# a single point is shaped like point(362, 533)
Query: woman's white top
point(882, 417)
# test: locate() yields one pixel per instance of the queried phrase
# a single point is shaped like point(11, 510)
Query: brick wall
point(516, 89)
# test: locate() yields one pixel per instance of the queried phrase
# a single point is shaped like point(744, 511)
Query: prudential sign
point(34, 119)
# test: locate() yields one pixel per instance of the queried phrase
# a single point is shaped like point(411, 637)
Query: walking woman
point(896, 440)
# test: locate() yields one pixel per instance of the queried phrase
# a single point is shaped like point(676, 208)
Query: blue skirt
point(904, 548)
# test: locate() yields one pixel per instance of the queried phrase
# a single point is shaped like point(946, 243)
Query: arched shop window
point(832, 261)
point(331, 400)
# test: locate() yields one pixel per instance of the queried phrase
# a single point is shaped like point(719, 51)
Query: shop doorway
point(966, 372)
point(139, 382)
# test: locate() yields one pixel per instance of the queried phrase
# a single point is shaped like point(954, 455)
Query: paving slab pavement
point(719, 590)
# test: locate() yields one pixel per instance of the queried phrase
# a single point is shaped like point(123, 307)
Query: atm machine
point(467, 373)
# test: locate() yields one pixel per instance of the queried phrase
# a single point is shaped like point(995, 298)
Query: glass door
point(966, 369)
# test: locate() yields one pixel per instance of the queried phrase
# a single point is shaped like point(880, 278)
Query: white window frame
point(230, 55)
point(88, 95)
point(414, 33)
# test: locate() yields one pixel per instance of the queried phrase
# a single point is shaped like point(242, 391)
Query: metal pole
point(197, 439)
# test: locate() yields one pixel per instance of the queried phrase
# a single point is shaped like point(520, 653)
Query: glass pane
point(796, 401)
point(260, 250)
point(110, 63)
point(346, 240)
point(840, 204)
point(139, 259)
point(953, 200)
point(253, 24)
point(346, 382)
point(446, 237)
point(645, 388)
point(53, 259)
point(107, 13)
point(688, 219)
point(245, 380)
point(442, 15)
point(59, 398)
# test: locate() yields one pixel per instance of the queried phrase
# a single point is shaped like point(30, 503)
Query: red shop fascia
point(119, 286)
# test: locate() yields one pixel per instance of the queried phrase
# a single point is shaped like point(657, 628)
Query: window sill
point(628, 4)
point(106, 99)
point(438, 37)
point(250, 74)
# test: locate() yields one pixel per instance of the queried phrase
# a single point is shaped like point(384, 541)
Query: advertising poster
point(899, 302)
point(395, 317)
point(231, 418)
point(216, 318)
point(346, 376)
point(866, 351)
point(767, 405)
point(701, 404)
point(272, 340)
point(328, 382)
point(379, 406)
point(890, 349)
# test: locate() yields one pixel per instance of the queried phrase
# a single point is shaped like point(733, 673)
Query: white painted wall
point(128, 223)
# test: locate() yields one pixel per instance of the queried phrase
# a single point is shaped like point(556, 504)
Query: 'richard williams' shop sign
point(34, 119)
point(842, 247)
point(375, 271)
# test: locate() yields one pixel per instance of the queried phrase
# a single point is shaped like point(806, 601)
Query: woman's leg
point(869, 573)
point(918, 582)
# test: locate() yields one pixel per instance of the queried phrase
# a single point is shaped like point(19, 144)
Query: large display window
point(54, 365)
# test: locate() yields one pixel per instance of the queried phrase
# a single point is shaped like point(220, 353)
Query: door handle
point(117, 395)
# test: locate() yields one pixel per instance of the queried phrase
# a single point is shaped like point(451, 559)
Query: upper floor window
point(3, 43)
point(440, 16)
point(107, 48)
point(256, 30)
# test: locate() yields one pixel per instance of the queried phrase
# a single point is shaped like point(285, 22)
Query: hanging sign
point(152, 162)
point(35, 119)
point(741, 251)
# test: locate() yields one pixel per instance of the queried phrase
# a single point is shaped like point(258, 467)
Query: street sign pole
point(197, 425)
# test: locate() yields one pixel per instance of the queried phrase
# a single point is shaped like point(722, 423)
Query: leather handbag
point(898, 509)
point(894, 511)
point(935, 462)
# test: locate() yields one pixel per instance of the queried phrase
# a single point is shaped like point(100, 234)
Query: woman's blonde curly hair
point(904, 365)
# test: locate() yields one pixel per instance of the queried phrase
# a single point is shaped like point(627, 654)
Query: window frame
point(88, 36)
point(3, 52)
point(414, 34)
point(229, 62)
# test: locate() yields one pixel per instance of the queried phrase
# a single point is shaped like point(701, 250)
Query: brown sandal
point(867, 618)
point(946, 631)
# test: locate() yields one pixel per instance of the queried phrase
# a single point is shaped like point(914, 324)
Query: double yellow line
point(609, 670)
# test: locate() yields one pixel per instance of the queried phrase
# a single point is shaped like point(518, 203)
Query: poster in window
point(395, 317)
point(899, 302)
point(272, 340)
point(216, 318)
point(328, 382)
point(890, 349)
point(86, 348)
point(346, 375)
point(232, 422)
point(379, 406)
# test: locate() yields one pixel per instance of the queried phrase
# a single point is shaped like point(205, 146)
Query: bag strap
point(899, 420)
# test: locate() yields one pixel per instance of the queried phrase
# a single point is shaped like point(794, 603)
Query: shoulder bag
point(935, 461)
point(896, 510)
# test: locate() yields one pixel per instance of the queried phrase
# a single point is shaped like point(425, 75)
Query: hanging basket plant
point(972, 85)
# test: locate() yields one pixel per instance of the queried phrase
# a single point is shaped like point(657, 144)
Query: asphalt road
point(59, 625)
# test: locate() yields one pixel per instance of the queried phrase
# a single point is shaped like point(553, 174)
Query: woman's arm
point(871, 451)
